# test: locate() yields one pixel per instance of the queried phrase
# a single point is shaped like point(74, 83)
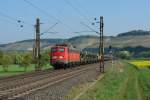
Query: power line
point(77, 10)
point(6, 20)
point(40, 10)
point(81, 7)
point(50, 28)
point(46, 13)
point(13, 19)
point(89, 27)
point(83, 31)
point(80, 13)
point(9, 17)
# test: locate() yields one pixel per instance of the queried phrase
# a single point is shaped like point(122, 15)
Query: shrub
point(6, 62)
point(26, 61)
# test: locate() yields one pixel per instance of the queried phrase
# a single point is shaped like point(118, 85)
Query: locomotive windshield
point(58, 49)
point(61, 50)
point(54, 49)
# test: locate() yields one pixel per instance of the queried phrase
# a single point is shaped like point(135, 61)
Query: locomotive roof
point(62, 45)
point(66, 45)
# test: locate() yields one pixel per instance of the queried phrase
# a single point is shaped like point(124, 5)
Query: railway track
point(27, 80)
point(21, 76)
point(27, 84)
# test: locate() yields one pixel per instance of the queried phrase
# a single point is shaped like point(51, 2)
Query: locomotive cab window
point(54, 50)
point(61, 50)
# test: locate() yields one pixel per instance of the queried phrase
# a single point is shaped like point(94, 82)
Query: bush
point(144, 54)
point(123, 54)
point(6, 62)
point(18, 59)
point(26, 61)
point(44, 59)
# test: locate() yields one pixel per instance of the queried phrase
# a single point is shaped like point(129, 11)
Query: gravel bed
point(57, 91)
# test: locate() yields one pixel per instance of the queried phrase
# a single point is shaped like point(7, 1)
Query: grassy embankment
point(125, 82)
point(15, 69)
point(143, 76)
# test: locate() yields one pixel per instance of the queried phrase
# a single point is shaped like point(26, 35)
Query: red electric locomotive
point(63, 56)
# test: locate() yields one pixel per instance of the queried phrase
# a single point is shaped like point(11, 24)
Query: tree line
point(21, 59)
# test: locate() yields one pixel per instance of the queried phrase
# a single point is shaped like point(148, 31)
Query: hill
point(134, 33)
point(128, 39)
point(28, 44)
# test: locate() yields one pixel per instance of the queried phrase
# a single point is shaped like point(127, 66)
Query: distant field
point(140, 63)
point(15, 69)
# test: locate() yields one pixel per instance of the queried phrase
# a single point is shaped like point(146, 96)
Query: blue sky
point(119, 16)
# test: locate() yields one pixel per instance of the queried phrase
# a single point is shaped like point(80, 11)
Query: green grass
point(15, 69)
point(116, 85)
point(130, 90)
point(139, 59)
point(144, 79)
point(131, 84)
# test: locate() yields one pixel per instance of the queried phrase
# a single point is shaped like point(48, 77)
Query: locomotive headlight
point(61, 57)
point(54, 57)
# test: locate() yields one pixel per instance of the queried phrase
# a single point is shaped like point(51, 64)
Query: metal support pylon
point(101, 45)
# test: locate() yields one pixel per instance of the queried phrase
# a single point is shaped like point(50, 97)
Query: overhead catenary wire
point(40, 10)
point(8, 21)
point(77, 10)
point(83, 31)
point(81, 7)
point(90, 28)
point(14, 19)
point(47, 14)
point(50, 15)
point(9, 17)
point(80, 13)
point(50, 28)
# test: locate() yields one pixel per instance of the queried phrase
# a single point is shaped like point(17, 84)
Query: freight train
point(63, 56)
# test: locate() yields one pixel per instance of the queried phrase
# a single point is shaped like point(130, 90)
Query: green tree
point(18, 59)
point(44, 59)
point(123, 54)
point(144, 54)
point(26, 61)
point(13, 57)
point(6, 62)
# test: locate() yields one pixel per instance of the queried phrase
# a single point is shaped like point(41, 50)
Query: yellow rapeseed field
point(141, 64)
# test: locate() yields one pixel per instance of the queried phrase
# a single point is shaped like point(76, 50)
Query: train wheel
point(55, 67)
point(78, 63)
point(72, 64)
point(68, 65)
point(65, 66)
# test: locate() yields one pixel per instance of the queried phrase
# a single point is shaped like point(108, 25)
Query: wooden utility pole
point(101, 45)
point(37, 45)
